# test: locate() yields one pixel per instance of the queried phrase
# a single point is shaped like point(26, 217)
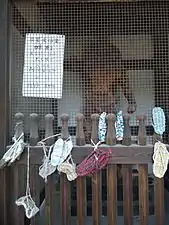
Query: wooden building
point(115, 58)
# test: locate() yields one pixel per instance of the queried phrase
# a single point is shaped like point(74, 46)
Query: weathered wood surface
point(126, 154)
point(120, 154)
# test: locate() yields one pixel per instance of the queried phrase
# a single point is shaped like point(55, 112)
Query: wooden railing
point(124, 154)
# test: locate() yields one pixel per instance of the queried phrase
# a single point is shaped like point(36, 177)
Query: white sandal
point(61, 150)
point(68, 168)
point(161, 159)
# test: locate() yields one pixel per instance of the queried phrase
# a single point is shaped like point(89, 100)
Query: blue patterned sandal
point(102, 127)
point(159, 121)
point(119, 126)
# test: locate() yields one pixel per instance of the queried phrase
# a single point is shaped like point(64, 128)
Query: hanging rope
point(26, 201)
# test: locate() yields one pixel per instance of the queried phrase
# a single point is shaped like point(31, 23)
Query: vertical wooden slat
point(35, 190)
point(143, 194)
point(80, 136)
point(142, 138)
point(96, 198)
point(111, 132)
point(81, 200)
point(159, 201)
point(64, 131)
point(4, 100)
point(49, 120)
point(34, 136)
point(19, 128)
point(50, 200)
point(112, 194)
point(127, 132)
point(65, 200)
point(94, 121)
point(127, 194)
point(17, 190)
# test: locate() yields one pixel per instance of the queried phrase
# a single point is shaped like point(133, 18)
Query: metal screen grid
point(110, 48)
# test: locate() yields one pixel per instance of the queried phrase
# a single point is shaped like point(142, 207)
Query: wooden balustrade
point(125, 154)
point(80, 136)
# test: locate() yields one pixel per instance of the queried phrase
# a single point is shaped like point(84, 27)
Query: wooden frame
point(125, 154)
point(131, 156)
point(4, 99)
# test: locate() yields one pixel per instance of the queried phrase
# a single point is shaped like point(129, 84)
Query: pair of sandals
point(58, 157)
point(119, 126)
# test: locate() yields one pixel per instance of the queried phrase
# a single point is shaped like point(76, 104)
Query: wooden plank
point(81, 200)
point(80, 1)
point(127, 194)
point(143, 194)
point(4, 101)
point(50, 201)
point(96, 198)
point(4, 74)
point(112, 194)
point(65, 200)
point(3, 196)
point(35, 190)
point(159, 201)
point(133, 154)
point(17, 190)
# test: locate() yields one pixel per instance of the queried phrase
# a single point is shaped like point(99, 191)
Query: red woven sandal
point(97, 160)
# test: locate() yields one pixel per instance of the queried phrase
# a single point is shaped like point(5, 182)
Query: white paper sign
point(43, 65)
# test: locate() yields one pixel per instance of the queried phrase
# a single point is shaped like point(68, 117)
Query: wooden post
point(142, 139)
point(64, 132)
point(94, 120)
point(34, 136)
point(127, 132)
point(111, 132)
point(4, 101)
point(49, 119)
point(19, 117)
point(80, 137)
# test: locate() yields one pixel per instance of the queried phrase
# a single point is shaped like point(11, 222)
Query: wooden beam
point(83, 1)
point(120, 154)
point(4, 99)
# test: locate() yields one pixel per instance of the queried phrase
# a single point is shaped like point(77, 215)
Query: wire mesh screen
point(111, 57)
